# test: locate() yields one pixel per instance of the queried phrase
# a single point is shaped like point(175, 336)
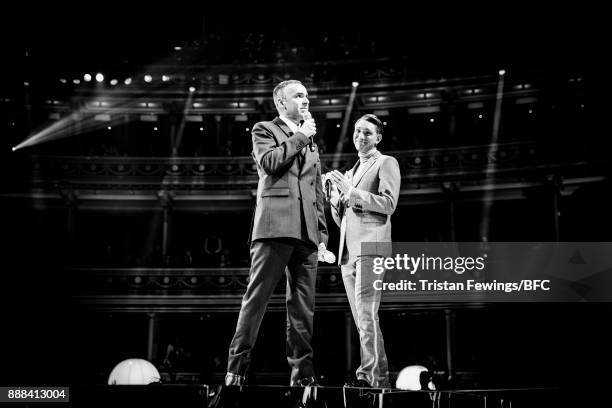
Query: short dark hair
point(278, 88)
point(373, 119)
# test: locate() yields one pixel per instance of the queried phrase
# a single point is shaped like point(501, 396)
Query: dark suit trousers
point(269, 257)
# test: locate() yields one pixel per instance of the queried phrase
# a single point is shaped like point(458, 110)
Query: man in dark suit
point(288, 231)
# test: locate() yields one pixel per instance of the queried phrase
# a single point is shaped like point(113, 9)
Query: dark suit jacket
point(288, 184)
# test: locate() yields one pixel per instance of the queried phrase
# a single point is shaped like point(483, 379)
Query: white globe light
point(134, 371)
point(410, 378)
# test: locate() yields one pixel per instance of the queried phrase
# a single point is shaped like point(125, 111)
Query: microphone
point(307, 116)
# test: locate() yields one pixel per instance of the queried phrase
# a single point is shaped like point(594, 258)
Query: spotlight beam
point(82, 120)
point(488, 195)
point(78, 122)
point(176, 139)
point(345, 126)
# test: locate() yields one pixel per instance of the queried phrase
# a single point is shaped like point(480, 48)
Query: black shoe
point(305, 382)
point(234, 379)
point(360, 383)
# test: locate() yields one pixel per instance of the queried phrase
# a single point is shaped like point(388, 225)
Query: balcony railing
point(214, 173)
point(212, 289)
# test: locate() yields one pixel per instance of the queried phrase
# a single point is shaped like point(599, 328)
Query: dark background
point(46, 342)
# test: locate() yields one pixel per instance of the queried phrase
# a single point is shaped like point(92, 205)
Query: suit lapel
point(283, 126)
point(368, 166)
point(302, 159)
point(351, 172)
point(286, 134)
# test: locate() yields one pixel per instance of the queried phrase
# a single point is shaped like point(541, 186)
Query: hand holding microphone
point(309, 128)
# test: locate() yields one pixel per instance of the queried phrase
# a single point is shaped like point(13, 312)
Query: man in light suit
point(288, 230)
point(362, 201)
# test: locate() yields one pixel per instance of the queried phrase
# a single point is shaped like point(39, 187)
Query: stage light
point(192, 89)
point(109, 128)
point(165, 78)
point(87, 77)
point(134, 371)
point(355, 84)
point(127, 81)
point(480, 116)
point(102, 117)
point(412, 378)
point(381, 112)
point(201, 129)
point(419, 110)
point(148, 118)
point(431, 120)
point(99, 77)
point(76, 81)
point(63, 80)
point(114, 82)
point(502, 72)
point(148, 78)
point(177, 48)
point(155, 128)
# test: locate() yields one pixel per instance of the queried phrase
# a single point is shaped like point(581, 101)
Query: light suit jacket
point(289, 183)
point(365, 216)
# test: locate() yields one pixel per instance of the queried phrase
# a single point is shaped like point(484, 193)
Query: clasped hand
point(341, 181)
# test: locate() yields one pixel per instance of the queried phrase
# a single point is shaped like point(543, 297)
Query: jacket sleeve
point(323, 233)
point(334, 202)
point(388, 190)
point(268, 155)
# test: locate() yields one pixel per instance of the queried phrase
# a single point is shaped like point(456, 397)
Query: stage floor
point(175, 395)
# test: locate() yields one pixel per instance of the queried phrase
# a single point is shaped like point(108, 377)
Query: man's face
point(295, 102)
point(365, 136)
